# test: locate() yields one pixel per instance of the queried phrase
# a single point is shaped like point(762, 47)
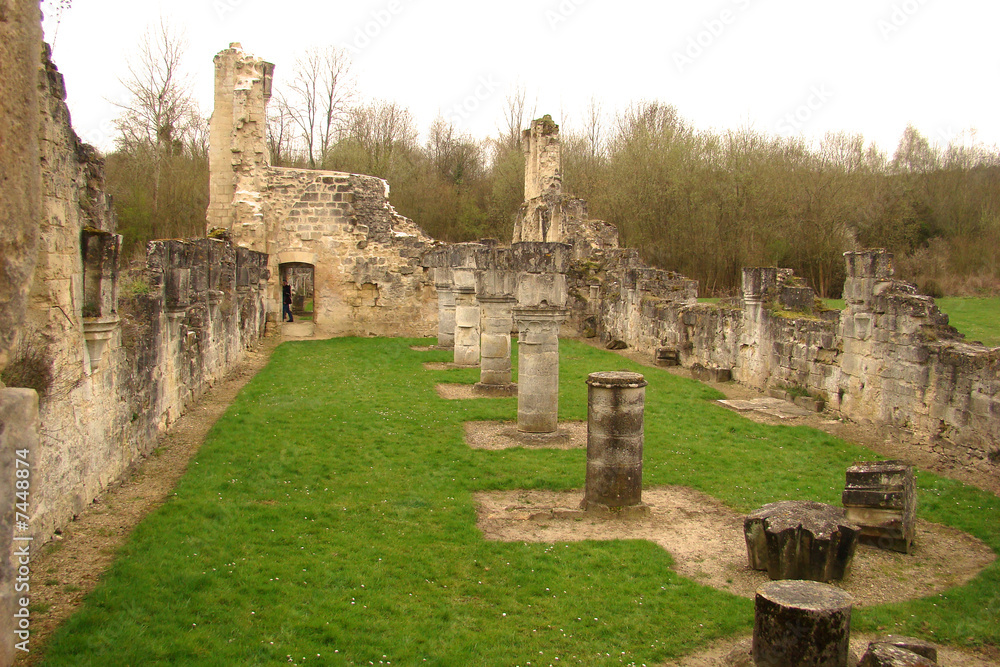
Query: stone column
point(446, 307)
point(802, 623)
point(495, 365)
point(615, 405)
point(538, 369)
point(466, 327)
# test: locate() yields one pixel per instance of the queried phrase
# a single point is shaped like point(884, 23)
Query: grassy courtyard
point(328, 519)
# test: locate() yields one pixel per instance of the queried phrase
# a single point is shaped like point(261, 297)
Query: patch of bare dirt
point(882, 441)
point(443, 365)
point(504, 435)
point(705, 539)
point(70, 566)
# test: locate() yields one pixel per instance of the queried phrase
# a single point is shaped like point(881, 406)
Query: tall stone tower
point(238, 157)
point(547, 215)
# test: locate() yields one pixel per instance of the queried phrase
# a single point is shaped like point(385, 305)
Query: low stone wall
point(889, 359)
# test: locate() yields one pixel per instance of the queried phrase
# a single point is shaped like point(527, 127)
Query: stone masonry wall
point(20, 190)
point(889, 359)
point(365, 256)
point(368, 278)
point(115, 358)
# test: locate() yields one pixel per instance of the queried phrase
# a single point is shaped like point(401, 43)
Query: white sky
point(868, 66)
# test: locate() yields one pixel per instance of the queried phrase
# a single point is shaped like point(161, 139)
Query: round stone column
point(538, 369)
point(801, 623)
point(495, 365)
point(446, 308)
point(615, 406)
point(466, 327)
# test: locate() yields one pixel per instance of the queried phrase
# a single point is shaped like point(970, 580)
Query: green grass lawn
point(328, 519)
point(977, 317)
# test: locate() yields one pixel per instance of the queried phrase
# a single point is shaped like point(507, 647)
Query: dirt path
point(72, 564)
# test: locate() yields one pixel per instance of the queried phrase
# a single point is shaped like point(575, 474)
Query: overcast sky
point(779, 66)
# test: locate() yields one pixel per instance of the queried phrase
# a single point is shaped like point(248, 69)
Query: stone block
point(800, 539)
point(880, 497)
point(889, 655)
point(801, 624)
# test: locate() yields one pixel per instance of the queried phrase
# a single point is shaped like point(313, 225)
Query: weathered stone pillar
point(615, 405)
point(538, 368)
point(466, 327)
point(495, 365)
point(445, 286)
point(801, 623)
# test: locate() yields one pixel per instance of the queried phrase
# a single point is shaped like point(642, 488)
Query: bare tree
point(515, 119)
point(381, 129)
point(280, 126)
point(320, 98)
point(160, 110)
point(160, 118)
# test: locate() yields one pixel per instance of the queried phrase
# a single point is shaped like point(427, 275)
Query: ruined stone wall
point(365, 256)
point(20, 50)
point(889, 359)
point(20, 191)
point(115, 358)
point(368, 278)
point(903, 366)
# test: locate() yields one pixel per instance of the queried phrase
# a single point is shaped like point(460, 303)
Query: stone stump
point(881, 498)
point(801, 624)
point(495, 364)
point(446, 308)
point(538, 369)
point(615, 408)
point(896, 651)
point(800, 539)
point(466, 327)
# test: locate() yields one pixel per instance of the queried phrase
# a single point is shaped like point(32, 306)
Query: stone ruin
point(109, 356)
point(365, 259)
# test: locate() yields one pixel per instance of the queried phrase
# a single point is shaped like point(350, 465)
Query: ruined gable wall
point(368, 278)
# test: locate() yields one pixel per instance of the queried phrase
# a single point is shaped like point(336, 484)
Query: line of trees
point(703, 203)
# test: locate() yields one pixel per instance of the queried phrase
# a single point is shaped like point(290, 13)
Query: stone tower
point(238, 157)
point(547, 215)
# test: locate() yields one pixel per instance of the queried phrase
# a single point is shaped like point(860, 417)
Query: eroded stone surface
point(801, 623)
point(615, 415)
point(881, 498)
point(889, 655)
point(800, 539)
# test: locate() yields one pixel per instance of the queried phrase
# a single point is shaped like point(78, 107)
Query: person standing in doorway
point(286, 300)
